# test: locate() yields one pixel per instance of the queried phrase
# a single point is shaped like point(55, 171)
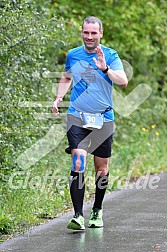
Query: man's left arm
point(118, 77)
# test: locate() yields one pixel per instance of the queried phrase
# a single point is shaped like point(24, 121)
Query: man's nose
point(89, 36)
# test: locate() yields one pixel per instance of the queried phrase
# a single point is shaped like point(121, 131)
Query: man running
point(92, 69)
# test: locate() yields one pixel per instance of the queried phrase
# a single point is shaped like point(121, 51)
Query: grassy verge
point(30, 197)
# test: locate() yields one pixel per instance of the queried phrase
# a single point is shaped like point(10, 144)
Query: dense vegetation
point(35, 37)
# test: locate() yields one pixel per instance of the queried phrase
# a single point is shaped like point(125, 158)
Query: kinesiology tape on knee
point(82, 163)
point(102, 181)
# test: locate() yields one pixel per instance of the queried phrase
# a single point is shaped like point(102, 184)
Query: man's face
point(91, 36)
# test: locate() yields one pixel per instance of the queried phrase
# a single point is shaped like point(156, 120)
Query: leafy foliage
point(136, 29)
point(35, 37)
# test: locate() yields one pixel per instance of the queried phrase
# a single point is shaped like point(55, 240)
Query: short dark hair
point(92, 20)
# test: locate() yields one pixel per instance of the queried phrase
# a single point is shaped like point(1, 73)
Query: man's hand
point(100, 62)
point(55, 109)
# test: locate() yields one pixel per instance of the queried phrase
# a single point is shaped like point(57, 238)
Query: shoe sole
point(75, 226)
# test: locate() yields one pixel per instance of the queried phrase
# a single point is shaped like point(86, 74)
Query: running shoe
point(96, 220)
point(76, 223)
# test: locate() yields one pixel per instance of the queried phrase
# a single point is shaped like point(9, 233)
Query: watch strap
point(106, 70)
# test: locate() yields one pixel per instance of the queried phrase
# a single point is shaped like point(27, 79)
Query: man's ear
point(101, 34)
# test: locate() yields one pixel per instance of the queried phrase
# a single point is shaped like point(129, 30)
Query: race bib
point(92, 120)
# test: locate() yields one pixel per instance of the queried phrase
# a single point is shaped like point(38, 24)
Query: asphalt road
point(135, 220)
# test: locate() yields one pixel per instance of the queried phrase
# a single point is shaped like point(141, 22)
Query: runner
point(92, 69)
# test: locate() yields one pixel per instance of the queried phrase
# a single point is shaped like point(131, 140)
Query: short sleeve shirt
point(91, 88)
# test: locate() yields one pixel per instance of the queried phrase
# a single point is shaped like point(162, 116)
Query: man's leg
point(101, 168)
point(77, 188)
point(77, 185)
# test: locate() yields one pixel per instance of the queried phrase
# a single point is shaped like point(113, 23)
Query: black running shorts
point(95, 141)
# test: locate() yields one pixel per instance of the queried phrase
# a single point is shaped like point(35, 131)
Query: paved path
point(135, 221)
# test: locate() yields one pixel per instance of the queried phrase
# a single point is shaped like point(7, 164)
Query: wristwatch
point(106, 70)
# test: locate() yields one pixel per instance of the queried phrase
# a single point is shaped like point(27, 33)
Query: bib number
point(92, 120)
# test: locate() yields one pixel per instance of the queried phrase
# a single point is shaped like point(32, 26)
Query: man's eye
point(92, 33)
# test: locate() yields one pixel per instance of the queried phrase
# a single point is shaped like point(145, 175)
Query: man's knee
point(78, 162)
point(101, 165)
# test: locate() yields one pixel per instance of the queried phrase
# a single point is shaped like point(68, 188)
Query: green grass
point(42, 191)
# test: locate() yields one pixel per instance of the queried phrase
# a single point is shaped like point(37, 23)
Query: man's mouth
point(89, 41)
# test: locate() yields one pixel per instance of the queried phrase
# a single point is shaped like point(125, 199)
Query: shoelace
point(77, 215)
point(95, 215)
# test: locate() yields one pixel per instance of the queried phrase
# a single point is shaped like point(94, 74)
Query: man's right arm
point(63, 87)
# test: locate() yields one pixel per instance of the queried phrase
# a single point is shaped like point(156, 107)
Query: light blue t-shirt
point(91, 88)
